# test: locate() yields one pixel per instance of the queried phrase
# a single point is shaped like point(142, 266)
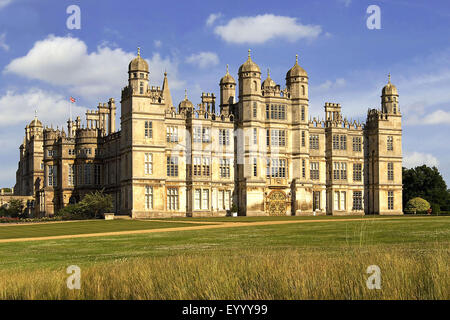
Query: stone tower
point(384, 155)
point(227, 93)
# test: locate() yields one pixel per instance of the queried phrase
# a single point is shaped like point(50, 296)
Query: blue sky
point(43, 63)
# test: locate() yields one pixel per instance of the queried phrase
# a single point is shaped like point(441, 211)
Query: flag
point(72, 99)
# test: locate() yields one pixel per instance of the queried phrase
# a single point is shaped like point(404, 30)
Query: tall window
point(277, 112)
point(277, 137)
point(339, 200)
point(390, 171)
point(197, 166)
point(357, 144)
point(172, 134)
point(357, 200)
point(197, 199)
point(201, 199)
point(224, 168)
point(148, 197)
point(303, 139)
point(343, 200)
point(205, 135)
point(148, 129)
point(87, 173)
point(276, 168)
point(254, 110)
point(390, 200)
point(343, 171)
point(79, 175)
point(197, 134)
point(224, 197)
point(71, 175)
point(255, 167)
point(303, 113)
point(303, 168)
point(314, 170)
point(336, 167)
point(224, 137)
point(205, 199)
point(314, 141)
point(96, 174)
point(141, 87)
point(206, 163)
point(255, 136)
point(390, 143)
point(172, 198)
point(357, 172)
point(335, 142)
point(172, 166)
point(148, 163)
point(343, 145)
point(51, 176)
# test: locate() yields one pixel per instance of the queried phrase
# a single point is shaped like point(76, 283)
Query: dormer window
point(134, 75)
point(142, 75)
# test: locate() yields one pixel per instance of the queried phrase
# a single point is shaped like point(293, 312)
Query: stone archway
point(276, 203)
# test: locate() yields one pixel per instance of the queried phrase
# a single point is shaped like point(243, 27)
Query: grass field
point(325, 259)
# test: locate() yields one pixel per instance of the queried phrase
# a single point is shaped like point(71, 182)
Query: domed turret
point(268, 83)
point(249, 78)
point(185, 105)
point(296, 70)
point(297, 81)
point(227, 92)
point(389, 89)
point(35, 123)
point(138, 63)
point(138, 75)
point(227, 79)
point(249, 65)
point(389, 98)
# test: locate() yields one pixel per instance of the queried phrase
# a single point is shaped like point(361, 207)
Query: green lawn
point(80, 227)
point(331, 237)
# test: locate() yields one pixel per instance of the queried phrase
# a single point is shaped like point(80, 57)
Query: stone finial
point(389, 77)
point(268, 73)
point(249, 53)
point(227, 69)
point(185, 94)
point(139, 51)
point(296, 59)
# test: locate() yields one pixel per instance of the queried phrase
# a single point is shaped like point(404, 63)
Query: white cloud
point(19, 108)
point(414, 159)
point(157, 43)
point(4, 3)
point(203, 59)
point(212, 18)
point(65, 62)
point(261, 28)
point(436, 117)
point(338, 83)
point(3, 44)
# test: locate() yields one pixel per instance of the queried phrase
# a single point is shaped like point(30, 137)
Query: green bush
point(417, 205)
point(93, 205)
point(436, 209)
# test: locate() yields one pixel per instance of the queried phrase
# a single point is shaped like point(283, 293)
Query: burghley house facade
point(256, 147)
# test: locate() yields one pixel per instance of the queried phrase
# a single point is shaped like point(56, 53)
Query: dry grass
point(407, 273)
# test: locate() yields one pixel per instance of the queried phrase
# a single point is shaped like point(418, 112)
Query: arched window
point(255, 86)
point(303, 90)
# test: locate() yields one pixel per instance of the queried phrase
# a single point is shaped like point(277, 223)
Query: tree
point(417, 205)
point(15, 207)
point(93, 205)
point(426, 183)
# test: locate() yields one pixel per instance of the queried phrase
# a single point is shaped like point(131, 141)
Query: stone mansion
point(259, 150)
